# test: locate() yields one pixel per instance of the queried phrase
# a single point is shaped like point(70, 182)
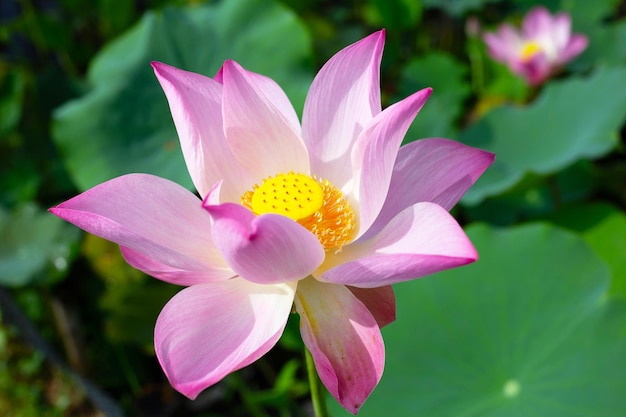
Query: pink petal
point(343, 99)
point(537, 23)
point(576, 45)
point(503, 44)
point(262, 136)
point(375, 152)
point(273, 92)
point(196, 106)
point(536, 70)
point(168, 273)
point(275, 95)
point(153, 216)
point(264, 249)
point(509, 34)
point(207, 331)
point(436, 170)
point(497, 49)
point(344, 340)
point(420, 241)
point(381, 302)
point(561, 30)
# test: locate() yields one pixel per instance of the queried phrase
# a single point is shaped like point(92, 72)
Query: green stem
point(317, 392)
point(477, 69)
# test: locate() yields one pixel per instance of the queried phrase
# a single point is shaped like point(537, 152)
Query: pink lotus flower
point(544, 44)
point(324, 217)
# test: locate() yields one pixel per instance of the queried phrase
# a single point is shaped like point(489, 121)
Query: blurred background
point(537, 327)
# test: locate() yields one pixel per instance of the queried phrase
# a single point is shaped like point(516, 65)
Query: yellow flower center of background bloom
point(315, 204)
point(529, 49)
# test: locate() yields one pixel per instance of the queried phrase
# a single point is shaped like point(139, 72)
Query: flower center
point(293, 195)
point(315, 204)
point(530, 49)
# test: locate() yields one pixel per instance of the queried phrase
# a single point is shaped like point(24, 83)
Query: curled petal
point(196, 106)
point(344, 340)
point(344, 97)
point(420, 241)
point(207, 331)
point(435, 170)
point(261, 133)
point(264, 249)
point(150, 215)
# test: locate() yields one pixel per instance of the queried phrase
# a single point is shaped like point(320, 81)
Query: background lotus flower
point(325, 216)
point(543, 45)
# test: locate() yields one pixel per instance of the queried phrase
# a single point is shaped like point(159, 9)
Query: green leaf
point(571, 120)
point(588, 11)
point(536, 197)
point(35, 246)
point(397, 14)
point(525, 331)
point(580, 10)
point(123, 123)
point(503, 86)
point(457, 7)
point(114, 15)
point(19, 178)
point(12, 87)
point(605, 45)
point(603, 227)
point(450, 89)
point(526, 5)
